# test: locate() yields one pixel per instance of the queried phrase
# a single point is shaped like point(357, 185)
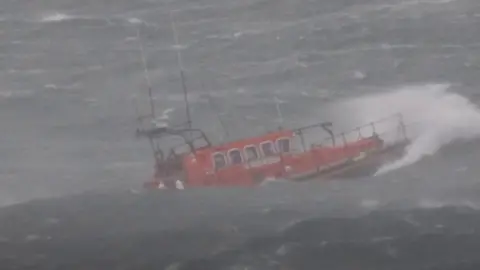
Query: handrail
point(358, 129)
point(399, 115)
point(361, 126)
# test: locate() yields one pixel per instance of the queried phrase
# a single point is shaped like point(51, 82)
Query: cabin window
point(283, 145)
point(219, 160)
point(251, 153)
point(235, 156)
point(267, 149)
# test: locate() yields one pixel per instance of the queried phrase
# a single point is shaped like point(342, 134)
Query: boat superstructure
point(281, 154)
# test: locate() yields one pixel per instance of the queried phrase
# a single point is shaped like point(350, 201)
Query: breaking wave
point(15, 94)
point(434, 117)
point(56, 17)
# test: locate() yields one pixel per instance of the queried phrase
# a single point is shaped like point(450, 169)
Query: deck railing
point(390, 129)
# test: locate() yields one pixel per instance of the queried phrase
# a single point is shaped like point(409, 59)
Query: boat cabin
point(239, 163)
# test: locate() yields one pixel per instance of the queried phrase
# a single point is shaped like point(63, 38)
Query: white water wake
point(434, 117)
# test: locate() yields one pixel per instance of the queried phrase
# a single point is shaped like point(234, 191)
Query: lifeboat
point(293, 154)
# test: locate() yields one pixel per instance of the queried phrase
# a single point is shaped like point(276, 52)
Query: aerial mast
point(217, 113)
point(150, 96)
point(182, 73)
point(279, 112)
point(147, 76)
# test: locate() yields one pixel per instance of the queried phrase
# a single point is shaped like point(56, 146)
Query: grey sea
point(72, 83)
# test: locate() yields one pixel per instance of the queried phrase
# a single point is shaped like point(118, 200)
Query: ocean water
point(71, 169)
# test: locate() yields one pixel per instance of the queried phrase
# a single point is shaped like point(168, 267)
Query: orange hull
point(251, 161)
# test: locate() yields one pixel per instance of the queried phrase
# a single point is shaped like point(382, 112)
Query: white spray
point(433, 115)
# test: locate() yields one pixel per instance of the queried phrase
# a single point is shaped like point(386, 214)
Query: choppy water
point(71, 77)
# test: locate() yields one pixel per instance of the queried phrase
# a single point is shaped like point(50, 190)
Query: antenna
point(215, 109)
point(180, 65)
point(279, 112)
point(147, 77)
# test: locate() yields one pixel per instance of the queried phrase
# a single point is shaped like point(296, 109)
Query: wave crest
point(434, 117)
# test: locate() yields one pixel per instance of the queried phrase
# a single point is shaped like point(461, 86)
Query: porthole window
point(283, 145)
point(219, 160)
point(251, 153)
point(267, 149)
point(235, 157)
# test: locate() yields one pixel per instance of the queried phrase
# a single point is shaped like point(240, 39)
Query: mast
point(182, 73)
point(147, 76)
point(150, 96)
point(279, 112)
point(215, 109)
